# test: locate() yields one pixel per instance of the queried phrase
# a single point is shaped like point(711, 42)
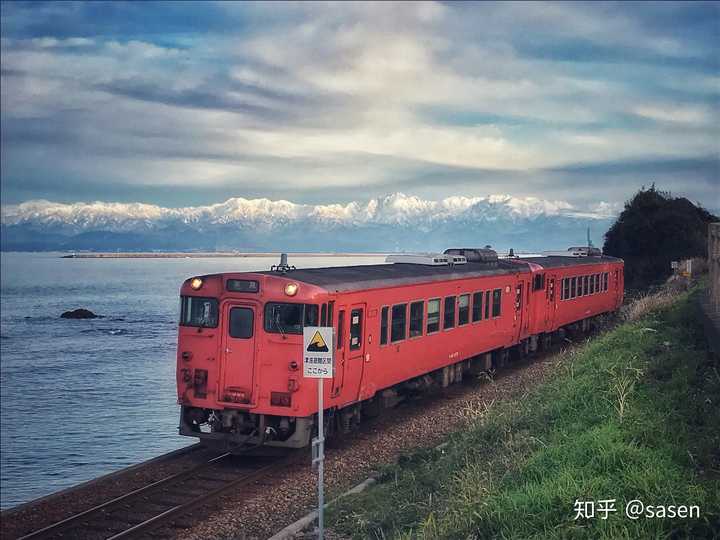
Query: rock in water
point(79, 314)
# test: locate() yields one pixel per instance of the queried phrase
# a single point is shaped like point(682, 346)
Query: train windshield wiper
point(278, 325)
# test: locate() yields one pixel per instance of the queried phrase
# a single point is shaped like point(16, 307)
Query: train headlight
point(291, 289)
point(196, 283)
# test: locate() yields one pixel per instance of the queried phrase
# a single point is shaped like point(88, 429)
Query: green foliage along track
point(635, 414)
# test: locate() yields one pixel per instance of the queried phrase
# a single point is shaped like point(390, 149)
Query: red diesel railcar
point(399, 327)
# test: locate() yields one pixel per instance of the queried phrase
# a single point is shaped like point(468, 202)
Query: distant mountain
point(394, 222)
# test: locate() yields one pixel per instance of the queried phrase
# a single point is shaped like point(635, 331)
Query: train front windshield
point(198, 311)
point(287, 318)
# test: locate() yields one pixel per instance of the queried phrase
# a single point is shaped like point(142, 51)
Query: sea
point(83, 398)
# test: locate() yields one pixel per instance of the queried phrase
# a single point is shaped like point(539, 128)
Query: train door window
point(323, 315)
point(518, 297)
point(551, 289)
point(477, 307)
point(449, 313)
point(341, 329)
point(573, 287)
point(565, 289)
point(496, 302)
point(384, 325)
point(241, 323)
point(416, 318)
point(538, 282)
point(487, 304)
point(356, 337)
point(463, 309)
point(311, 315)
point(397, 326)
point(433, 315)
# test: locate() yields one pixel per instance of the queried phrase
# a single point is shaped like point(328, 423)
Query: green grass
point(635, 414)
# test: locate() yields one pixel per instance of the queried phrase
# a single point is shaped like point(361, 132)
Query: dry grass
point(647, 303)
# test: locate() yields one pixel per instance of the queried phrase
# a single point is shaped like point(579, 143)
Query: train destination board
point(318, 352)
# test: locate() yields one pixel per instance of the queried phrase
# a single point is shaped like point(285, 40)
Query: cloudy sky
point(185, 104)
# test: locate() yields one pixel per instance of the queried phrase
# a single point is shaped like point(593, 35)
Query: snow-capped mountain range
point(388, 223)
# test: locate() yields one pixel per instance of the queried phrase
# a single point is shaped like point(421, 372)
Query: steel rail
point(55, 528)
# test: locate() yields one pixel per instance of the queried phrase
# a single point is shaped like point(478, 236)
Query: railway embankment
point(634, 415)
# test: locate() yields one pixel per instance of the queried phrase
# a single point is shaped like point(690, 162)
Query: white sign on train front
point(318, 357)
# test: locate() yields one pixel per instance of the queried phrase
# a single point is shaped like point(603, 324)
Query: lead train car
point(398, 328)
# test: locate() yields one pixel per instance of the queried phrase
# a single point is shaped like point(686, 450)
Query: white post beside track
point(321, 461)
point(319, 363)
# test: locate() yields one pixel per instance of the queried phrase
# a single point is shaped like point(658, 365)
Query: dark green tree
point(654, 229)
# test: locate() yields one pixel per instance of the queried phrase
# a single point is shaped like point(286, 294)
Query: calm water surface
point(81, 398)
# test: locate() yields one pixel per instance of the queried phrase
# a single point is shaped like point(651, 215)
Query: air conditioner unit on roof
point(428, 259)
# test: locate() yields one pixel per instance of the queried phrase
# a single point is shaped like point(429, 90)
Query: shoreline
point(203, 255)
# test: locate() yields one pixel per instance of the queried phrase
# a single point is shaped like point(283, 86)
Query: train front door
point(237, 359)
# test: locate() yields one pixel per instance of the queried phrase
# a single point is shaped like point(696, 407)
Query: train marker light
point(291, 289)
point(196, 283)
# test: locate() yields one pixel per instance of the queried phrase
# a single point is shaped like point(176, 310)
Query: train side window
point(573, 287)
point(331, 308)
point(538, 282)
point(416, 318)
point(586, 286)
point(241, 323)
point(597, 282)
point(356, 329)
point(323, 315)
point(384, 325)
point(311, 315)
point(487, 304)
point(565, 289)
point(449, 313)
point(592, 284)
point(496, 302)
point(463, 309)
point(341, 329)
point(477, 307)
point(433, 315)
point(397, 326)
point(605, 281)
point(580, 290)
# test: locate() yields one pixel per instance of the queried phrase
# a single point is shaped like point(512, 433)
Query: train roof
point(555, 261)
point(373, 276)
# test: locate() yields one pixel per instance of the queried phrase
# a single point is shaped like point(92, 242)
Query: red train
point(399, 327)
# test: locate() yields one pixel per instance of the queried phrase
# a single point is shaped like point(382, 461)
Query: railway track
point(139, 512)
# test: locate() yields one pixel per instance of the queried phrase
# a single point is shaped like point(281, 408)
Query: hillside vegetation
point(632, 415)
point(654, 229)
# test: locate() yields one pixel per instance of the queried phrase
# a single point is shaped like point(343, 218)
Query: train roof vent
point(475, 255)
point(582, 251)
point(428, 259)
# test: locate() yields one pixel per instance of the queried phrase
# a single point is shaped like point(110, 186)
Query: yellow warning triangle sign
point(317, 344)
